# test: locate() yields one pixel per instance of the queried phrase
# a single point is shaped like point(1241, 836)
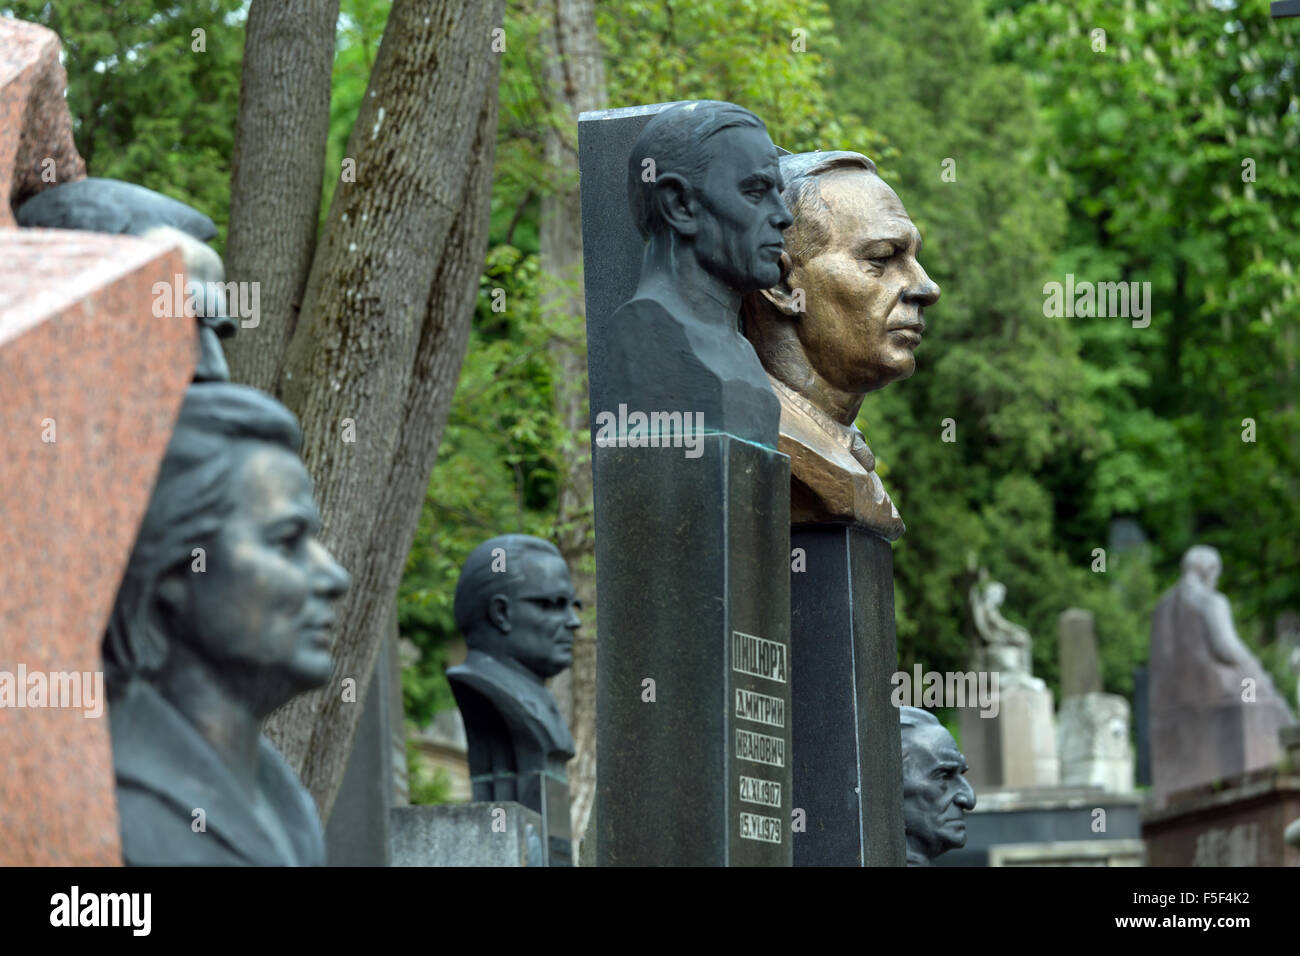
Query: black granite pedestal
point(693, 656)
point(848, 776)
point(507, 764)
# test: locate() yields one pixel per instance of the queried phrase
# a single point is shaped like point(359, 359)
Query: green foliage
point(427, 785)
point(1009, 377)
point(146, 106)
point(1123, 165)
point(770, 56)
point(1156, 140)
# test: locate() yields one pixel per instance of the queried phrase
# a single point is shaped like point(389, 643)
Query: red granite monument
point(90, 385)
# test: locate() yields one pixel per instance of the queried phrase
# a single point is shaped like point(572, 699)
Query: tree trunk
point(575, 82)
point(275, 188)
point(373, 361)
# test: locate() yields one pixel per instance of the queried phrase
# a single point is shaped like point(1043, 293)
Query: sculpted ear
point(785, 298)
point(498, 612)
point(672, 197)
point(170, 593)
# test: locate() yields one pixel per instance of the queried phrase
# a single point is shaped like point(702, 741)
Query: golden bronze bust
point(842, 322)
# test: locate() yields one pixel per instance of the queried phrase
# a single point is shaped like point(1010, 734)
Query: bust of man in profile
point(516, 608)
point(842, 321)
point(704, 187)
point(936, 795)
point(225, 614)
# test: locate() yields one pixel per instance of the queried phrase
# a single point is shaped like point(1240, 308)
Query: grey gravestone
point(1055, 822)
point(847, 750)
point(692, 566)
point(1092, 727)
point(1142, 725)
point(1080, 672)
point(356, 833)
point(1093, 742)
point(467, 834)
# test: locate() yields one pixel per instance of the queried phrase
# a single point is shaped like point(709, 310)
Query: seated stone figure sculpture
point(1215, 712)
point(112, 206)
point(1003, 647)
point(936, 795)
point(224, 615)
point(516, 607)
point(704, 188)
point(843, 320)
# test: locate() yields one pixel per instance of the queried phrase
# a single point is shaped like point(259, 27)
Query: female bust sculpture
point(224, 614)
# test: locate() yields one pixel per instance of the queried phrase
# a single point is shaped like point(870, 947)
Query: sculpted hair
point(674, 139)
point(810, 233)
point(911, 719)
point(478, 582)
point(190, 502)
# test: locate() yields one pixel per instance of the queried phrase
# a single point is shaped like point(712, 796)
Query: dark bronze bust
point(842, 321)
point(936, 795)
point(516, 607)
point(112, 206)
point(704, 188)
point(224, 615)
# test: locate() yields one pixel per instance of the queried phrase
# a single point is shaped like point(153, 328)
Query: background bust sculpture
point(1215, 712)
point(842, 321)
point(516, 607)
point(203, 645)
point(936, 795)
point(1003, 647)
point(704, 190)
point(112, 206)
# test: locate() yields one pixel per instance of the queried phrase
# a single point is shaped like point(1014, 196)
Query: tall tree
point(370, 362)
point(575, 83)
point(279, 162)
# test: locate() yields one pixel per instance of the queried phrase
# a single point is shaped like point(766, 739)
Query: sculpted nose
point(333, 579)
point(923, 290)
point(965, 796)
point(782, 218)
point(573, 622)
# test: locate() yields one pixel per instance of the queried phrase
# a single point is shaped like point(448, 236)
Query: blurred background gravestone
point(1092, 726)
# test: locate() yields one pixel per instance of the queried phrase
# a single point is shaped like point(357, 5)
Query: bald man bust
point(843, 321)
